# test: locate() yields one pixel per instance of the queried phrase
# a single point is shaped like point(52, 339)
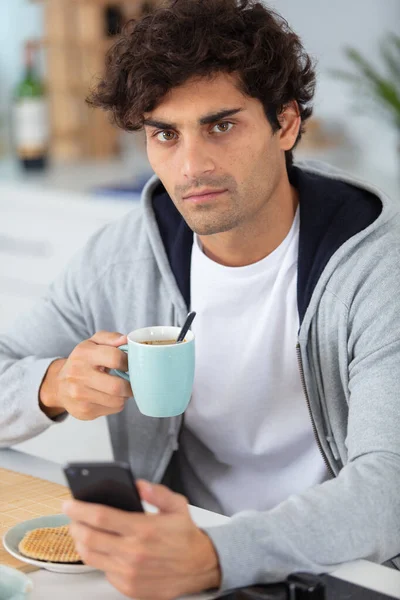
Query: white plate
point(13, 536)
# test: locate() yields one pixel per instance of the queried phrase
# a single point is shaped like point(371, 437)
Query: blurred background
point(356, 120)
point(65, 171)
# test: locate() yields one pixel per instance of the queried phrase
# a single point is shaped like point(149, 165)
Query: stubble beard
point(207, 220)
point(210, 218)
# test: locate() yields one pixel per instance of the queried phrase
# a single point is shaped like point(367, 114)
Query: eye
point(222, 127)
point(164, 136)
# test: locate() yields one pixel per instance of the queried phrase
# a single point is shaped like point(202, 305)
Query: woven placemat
point(24, 497)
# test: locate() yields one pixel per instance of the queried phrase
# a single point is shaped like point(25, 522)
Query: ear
point(290, 121)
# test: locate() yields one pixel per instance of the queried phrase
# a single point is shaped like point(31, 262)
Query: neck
point(257, 238)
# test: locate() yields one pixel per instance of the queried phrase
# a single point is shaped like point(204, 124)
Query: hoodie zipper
point(303, 384)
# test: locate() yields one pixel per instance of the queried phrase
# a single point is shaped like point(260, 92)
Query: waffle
point(53, 544)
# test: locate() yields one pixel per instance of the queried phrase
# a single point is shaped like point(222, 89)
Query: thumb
point(109, 338)
point(161, 497)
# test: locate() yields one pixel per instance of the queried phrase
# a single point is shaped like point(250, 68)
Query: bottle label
point(31, 127)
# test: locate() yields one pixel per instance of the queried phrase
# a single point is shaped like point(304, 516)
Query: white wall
point(326, 27)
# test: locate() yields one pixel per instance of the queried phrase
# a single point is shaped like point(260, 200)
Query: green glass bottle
point(31, 116)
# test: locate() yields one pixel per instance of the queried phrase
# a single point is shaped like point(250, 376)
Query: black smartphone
point(110, 483)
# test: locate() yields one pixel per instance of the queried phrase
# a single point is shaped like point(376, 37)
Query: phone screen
point(109, 483)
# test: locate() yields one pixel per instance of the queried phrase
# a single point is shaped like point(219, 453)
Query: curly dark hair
point(187, 38)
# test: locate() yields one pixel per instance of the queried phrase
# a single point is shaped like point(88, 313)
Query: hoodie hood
point(334, 208)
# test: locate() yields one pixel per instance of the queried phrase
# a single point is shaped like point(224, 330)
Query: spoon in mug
point(185, 327)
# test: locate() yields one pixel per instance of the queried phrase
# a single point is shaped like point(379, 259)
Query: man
point(294, 273)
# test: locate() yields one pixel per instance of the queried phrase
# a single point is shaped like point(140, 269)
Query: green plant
point(382, 86)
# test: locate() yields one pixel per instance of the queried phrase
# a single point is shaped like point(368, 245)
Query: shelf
point(75, 45)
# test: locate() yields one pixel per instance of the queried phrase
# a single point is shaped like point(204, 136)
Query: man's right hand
point(81, 384)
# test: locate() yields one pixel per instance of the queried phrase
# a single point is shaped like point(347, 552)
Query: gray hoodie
point(135, 273)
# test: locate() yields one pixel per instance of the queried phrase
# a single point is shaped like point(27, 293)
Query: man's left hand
point(158, 556)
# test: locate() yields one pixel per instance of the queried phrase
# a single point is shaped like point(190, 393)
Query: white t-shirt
point(247, 440)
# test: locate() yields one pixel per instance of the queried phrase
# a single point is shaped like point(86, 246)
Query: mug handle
point(122, 374)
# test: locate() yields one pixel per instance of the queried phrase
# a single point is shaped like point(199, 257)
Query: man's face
point(214, 150)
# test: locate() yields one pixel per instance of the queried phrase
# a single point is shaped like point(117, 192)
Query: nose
point(196, 159)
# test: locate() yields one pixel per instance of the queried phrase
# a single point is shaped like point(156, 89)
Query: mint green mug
point(161, 376)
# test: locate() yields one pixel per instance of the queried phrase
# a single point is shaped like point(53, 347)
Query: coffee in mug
point(160, 342)
point(161, 372)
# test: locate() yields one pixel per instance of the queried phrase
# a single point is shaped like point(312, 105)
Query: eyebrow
point(206, 120)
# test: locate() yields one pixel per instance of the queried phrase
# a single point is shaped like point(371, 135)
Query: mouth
point(203, 195)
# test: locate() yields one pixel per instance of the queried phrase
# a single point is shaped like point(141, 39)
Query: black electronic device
point(109, 483)
point(306, 586)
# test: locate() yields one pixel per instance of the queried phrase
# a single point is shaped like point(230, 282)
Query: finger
point(162, 497)
point(104, 542)
point(83, 394)
point(95, 559)
point(109, 338)
point(94, 539)
point(104, 518)
point(110, 385)
point(85, 411)
point(89, 400)
point(102, 356)
point(127, 549)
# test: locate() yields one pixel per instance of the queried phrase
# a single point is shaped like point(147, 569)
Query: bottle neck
point(29, 73)
point(29, 61)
